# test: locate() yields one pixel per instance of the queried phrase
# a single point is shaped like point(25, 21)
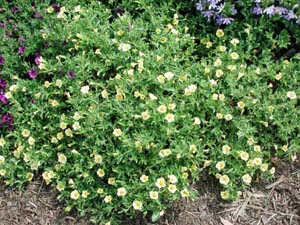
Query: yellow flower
point(54, 103)
point(111, 181)
point(244, 155)
point(98, 159)
point(193, 148)
point(241, 105)
point(85, 89)
point(162, 109)
point(161, 79)
point(231, 67)
point(170, 117)
point(144, 178)
point(222, 97)
point(120, 32)
point(234, 41)
point(124, 47)
point(100, 191)
point(169, 75)
point(185, 175)
point(220, 165)
point(29, 176)
point(208, 44)
point(76, 126)
point(31, 140)
point(163, 40)
point(219, 73)
point(219, 116)
point(108, 199)
point(60, 136)
point(264, 167)
point(63, 125)
point(291, 95)
point(137, 205)
point(60, 186)
point(160, 182)
point(184, 193)
point(58, 83)
point(68, 132)
point(222, 48)
point(228, 117)
point(278, 76)
point(284, 148)
point(2, 159)
point(47, 84)
point(75, 195)
point(218, 62)
point(100, 173)
point(85, 194)
point(2, 172)
point(247, 179)
point(226, 149)
point(153, 195)
point(257, 161)
point(224, 194)
point(97, 51)
point(172, 188)
point(220, 33)
point(121, 192)
point(62, 158)
point(145, 115)
point(234, 55)
point(117, 132)
point(2, 142)
point(25, 133)
point(50, 9)
point(224, 179)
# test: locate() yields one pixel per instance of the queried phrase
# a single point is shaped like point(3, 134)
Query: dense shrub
point(119, 113)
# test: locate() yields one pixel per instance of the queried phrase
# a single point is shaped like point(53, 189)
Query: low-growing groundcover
point(119, 113)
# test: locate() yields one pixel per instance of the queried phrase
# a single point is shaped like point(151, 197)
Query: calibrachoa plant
point(119, 114)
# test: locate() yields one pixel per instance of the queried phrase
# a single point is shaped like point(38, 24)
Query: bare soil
point(275, 202)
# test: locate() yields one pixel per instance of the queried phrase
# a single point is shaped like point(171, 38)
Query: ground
point(275, 202)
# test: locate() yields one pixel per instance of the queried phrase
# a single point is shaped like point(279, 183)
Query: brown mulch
point(275, 202)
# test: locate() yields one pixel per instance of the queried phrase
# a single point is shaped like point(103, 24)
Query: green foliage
point(145, 112)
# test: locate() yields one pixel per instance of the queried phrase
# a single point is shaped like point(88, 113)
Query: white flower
point(137, 205)
point(75, 195)
point(117, 132)
point(153, 195)
point(121, 192)
point(291, 95)
point(247, 179)
point(85, 89)
point(169, 75)
point(124, 47)
point(170, 117)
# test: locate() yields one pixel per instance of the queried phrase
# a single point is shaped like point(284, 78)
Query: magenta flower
point(2, 60)
point(3, 99)
point(37, 59)
point(71, 74)
point(56, 7)
point(21, 49)
point(32, 73)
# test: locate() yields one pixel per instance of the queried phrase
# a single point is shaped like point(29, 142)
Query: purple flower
point(3, 99)
point(32, 73)
point(37, 59)
point(15, 26)
point(3, 25)
point(208, 14)
point(14, 9)
point(257, 10)
point(2, 85)
point(281, 10)
point(7, 118)
point(71, 74)
point(21, 39)
point(2, 60)
point(38, 16)
point(270, 11)
point(21, 49)
point(56, 7)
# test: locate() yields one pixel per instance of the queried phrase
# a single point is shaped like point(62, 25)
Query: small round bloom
point(108, 199)
point(144, 178)
point(162, 109)
point(224, 179)
point(257, 161)
point(196, 121)
point(63, 125)
point(169, 75)
point(111, 181)
point(58, 83)
point(121, 192)
point(228, 117)
point(85, 194)
point(2, 159)
point(75, 195)
point(100, 173)
point(247, 179)
point(2, 142)
point(184, 193)
point(172, 106)
point(222, 48)
point(219, 73)
point(218, 62)
point(25, 133)
point(284, 148)
point(234, 55)
point(85, 89)
point(62, 158)
point(193, 148)
point(257, 148)
point(226, 149)
point(264, 167)
point(173, 179)
point(241, 105)
point(98, 159)
point(291, 95)
point(224, 194)
point(2, 172)
point(172, 188)
point(244, 155)
point(220, 33)
point(153, 195)
point(60, 186)
point(76, 126)
point(31, 140)
point(215, 97)
point(100, 191)
point(278, 76)
point(160, 182)
point(137, 205)
point(145, 115)
point(117, 132)
point(124, 47)
point(76, 116)
point(170, 117)
point(161, 79)
point(104, 94)
point(220, 165)
point(219, 116)
point(234, 41)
